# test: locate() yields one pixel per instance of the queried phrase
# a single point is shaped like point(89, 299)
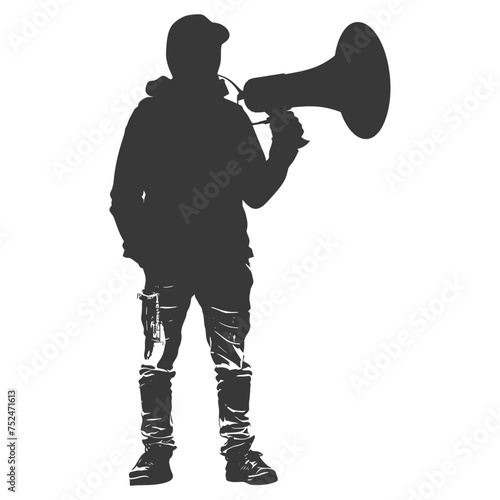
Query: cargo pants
point(222, 290)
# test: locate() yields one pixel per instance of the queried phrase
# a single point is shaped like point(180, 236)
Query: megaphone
point(355, 81)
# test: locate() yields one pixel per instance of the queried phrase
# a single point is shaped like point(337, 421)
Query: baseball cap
point(195, 30)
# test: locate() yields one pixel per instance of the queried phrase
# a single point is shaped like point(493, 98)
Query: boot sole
point(144, 480)
point(257, 480)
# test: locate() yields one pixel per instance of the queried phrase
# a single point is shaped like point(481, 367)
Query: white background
point(79, 405)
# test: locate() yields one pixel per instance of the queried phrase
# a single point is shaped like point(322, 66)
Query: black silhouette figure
point(188, 160)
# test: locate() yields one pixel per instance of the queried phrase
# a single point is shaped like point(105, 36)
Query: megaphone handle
point(300, 143)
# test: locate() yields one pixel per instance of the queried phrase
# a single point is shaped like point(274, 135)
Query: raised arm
point(262, 178)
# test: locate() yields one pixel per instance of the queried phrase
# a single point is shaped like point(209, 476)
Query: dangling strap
point(240, 92)
point(240, 97)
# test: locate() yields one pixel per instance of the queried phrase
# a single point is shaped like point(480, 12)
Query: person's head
point(194, 48)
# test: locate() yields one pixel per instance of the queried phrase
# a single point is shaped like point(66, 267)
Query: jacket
point(188, 160)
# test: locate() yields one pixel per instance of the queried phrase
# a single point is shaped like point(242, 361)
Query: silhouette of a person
point(188, 160)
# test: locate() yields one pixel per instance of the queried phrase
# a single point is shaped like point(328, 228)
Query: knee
point(233, 326)
point(155, 375)
point(229, 375)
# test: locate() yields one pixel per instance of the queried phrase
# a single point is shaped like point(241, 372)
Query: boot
point(233, 391)
point(248, 467)
point(234, 377)
point(153, 467)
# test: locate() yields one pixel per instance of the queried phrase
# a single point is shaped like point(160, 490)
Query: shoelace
point(250, 457)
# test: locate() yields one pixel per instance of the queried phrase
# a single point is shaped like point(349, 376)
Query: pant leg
point(224, 298)
point(156, 371)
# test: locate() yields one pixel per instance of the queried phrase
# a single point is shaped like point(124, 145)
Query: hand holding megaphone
point(285, 127)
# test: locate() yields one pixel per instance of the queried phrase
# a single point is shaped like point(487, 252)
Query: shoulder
point(144, 113)
point(146, 107)
point(236, 112)
point(233, 107)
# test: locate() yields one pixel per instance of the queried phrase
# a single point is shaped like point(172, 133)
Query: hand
point(286, 128)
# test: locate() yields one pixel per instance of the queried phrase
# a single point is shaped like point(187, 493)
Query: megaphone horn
point(355, 81)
